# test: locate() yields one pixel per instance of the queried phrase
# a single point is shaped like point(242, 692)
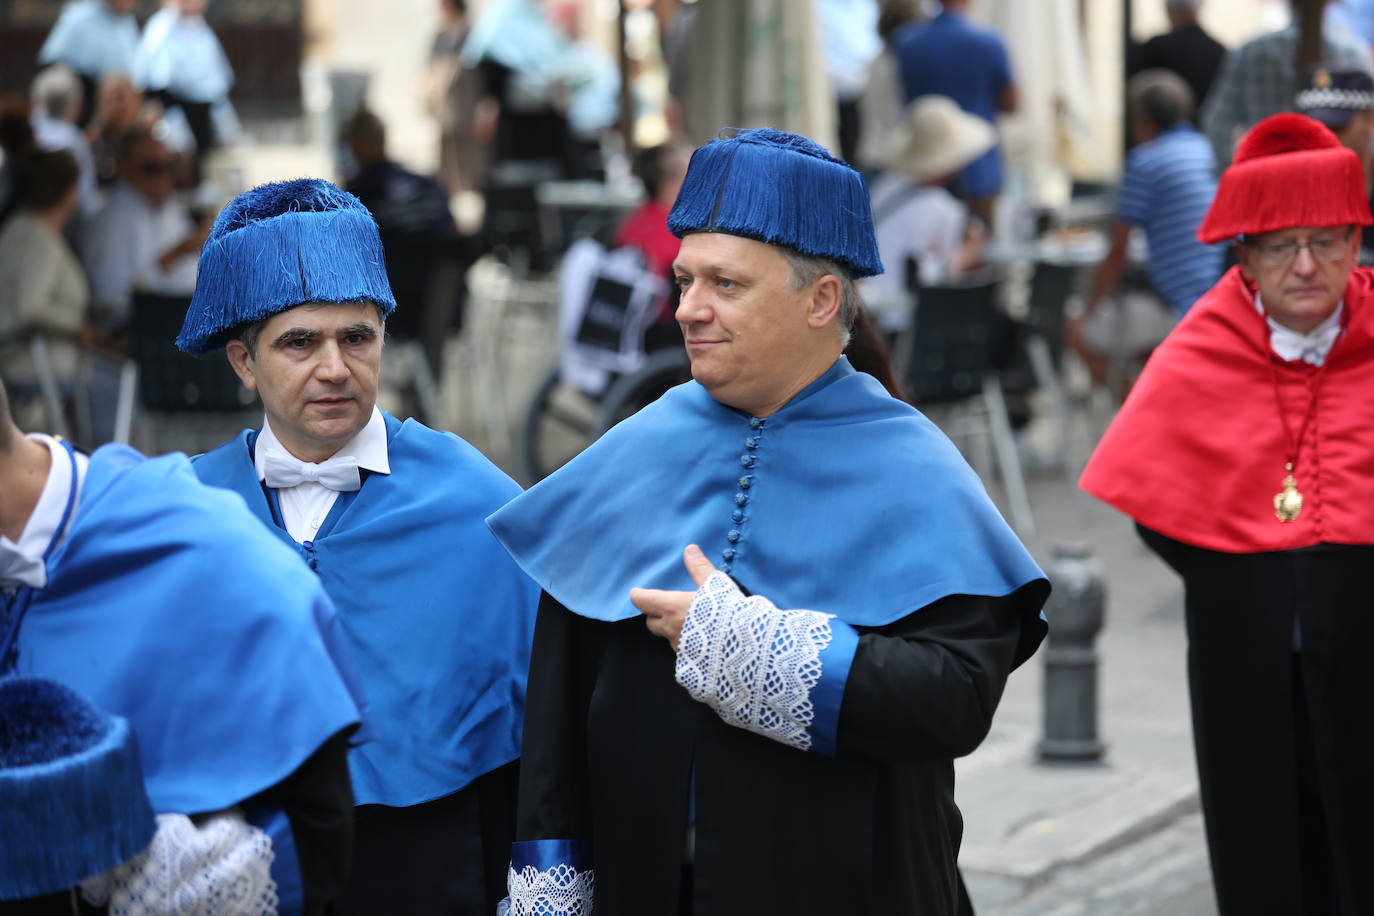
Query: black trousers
point(447, 857)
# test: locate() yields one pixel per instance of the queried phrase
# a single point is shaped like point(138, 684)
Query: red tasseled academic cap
point(1289, 170)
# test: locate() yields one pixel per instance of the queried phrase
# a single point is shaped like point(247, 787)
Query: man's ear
point(236, 351)
point(826, 298)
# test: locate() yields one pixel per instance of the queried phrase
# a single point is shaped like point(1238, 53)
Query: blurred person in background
point(181, 64)
point(119, 109)
point(1343, 100)
point(926, 236)
point(95, 38)
point(849, 31)
point(418, 235)
point(589, 81)
point(515, 47)
point(950, 56)
point(452, 94)
point(1257, 79)
point(408, 207)
point(56, 95)
point(1169, 182)
point(1186, 49)
point(143, 238)
point(43, 289)
point(16, 139)
point(661, 170)
point(882, 100)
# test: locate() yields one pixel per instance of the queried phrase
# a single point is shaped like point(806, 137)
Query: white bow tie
point(281, 470)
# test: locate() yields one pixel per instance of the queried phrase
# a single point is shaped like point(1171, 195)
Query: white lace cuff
point(778, 673)
point(223, 864)
point(548, 878)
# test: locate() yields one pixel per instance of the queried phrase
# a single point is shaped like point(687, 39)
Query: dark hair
point(16, 130)
point(250, 332)
point(130, 140)
point(867, 353)
point(1160, 97)
point(6, 420)
point(893, 14)
point(43, 178)
point(365, 128)
point(648, 168)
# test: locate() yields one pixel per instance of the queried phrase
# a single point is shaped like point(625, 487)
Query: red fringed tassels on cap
point(1289, 171)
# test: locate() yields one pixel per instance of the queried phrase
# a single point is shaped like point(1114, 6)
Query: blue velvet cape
point(166, 605)
point(846, 501)
point(439, 618)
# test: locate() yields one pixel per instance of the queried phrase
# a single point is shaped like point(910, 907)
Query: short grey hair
point(56, 92)
point(807, 269)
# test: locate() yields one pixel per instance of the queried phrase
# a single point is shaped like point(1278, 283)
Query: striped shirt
point(1166, 191)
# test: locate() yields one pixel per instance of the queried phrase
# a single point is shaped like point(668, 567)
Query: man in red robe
point(1246, 456)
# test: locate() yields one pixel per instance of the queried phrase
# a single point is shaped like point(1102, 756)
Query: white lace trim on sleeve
point(751, 662)
point(558, 891)
point(221, 865)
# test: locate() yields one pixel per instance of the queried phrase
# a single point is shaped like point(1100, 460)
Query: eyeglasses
point(1327, 248)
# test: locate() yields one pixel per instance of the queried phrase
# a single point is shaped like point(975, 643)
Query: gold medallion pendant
point(1288, 504)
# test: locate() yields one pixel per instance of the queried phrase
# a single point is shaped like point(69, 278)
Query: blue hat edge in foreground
point(280, 245)
point(73, 787)
point(782, 189)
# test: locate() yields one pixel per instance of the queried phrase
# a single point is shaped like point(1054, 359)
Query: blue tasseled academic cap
point(74, 799)
point(783, 189)
point(278, 246)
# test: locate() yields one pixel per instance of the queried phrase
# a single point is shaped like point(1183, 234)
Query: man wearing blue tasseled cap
point(780, 737)
point(389, 515)
point(237, 695)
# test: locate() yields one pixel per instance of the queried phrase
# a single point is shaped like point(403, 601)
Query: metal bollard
point(1075, 611)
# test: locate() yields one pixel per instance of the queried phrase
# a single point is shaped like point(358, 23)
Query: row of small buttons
point(748, 459)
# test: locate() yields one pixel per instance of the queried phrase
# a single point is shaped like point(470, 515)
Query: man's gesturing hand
point(664, 611)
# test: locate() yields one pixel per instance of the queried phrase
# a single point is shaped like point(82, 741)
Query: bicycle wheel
point(663, 369)
point(560, 423)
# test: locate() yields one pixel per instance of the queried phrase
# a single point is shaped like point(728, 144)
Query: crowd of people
point(342, 663)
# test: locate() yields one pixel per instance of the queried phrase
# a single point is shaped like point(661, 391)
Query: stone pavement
point(1118, 837)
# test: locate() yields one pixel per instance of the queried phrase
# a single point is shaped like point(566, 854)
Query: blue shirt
point(950, 56)
point(1166, 191)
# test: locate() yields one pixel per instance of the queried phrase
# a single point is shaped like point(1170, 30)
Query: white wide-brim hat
point(938, 138)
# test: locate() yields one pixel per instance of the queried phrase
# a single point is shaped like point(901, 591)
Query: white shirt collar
point(21, 562)
point(368, 446)
point(1311, 347)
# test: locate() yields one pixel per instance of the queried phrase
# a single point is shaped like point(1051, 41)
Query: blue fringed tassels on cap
point(780, 188)
point(74, 801)
point(278, 246)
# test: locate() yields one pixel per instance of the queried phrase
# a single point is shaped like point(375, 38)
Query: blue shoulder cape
point(167, 606)
point(439, 617)
point(846, 501)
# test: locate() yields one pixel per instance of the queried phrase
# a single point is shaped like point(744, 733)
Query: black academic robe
point(1281, 722)
point(616, 752)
